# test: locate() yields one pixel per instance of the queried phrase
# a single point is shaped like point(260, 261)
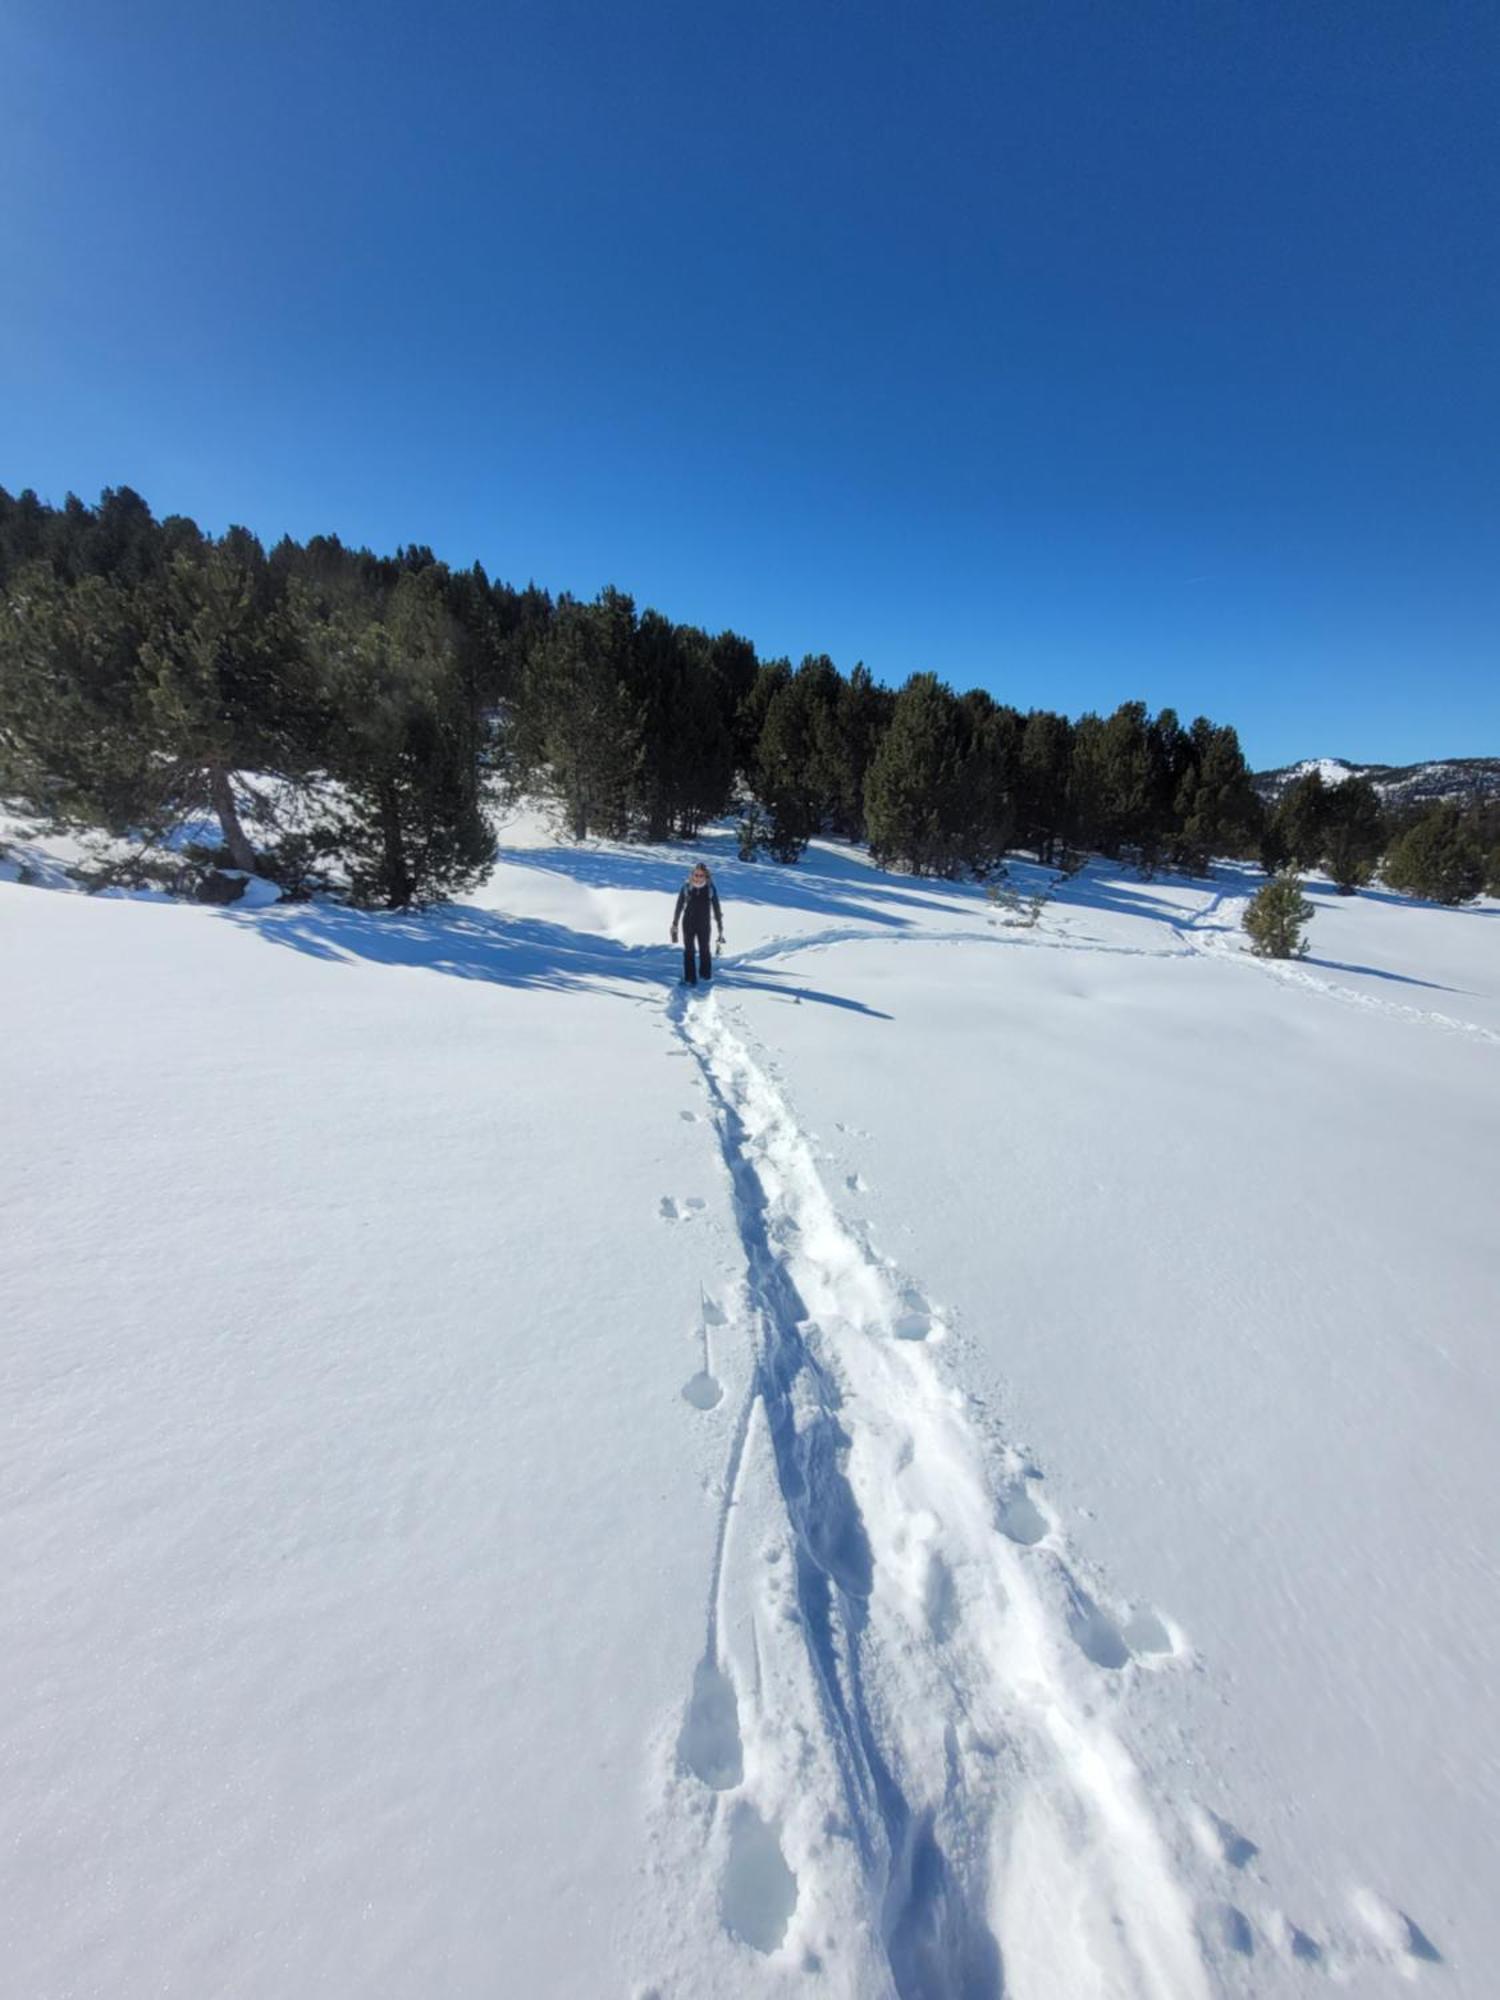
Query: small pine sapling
point(1015, 911)
point(751, 833)
point(1276, 916)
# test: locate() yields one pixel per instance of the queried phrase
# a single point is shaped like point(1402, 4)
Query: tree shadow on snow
point(826, 882)
point(1376, 972)
point(521, 952)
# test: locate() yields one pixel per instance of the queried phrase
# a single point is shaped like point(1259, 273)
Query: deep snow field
point(959, 1463)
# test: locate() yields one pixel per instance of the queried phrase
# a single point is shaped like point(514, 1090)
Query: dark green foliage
point(1275, 918)
point(912, 790)
point(144, 669)
point(1042, 798)
point(580, 736)
point(1214, 804)
point(1301, 820)
point(1437, 857)
point(404, 753)
point(222, 684)
point(1127, 769)
point(685, 770)
point(750, 716)
point(1492, 871)
point(72, 745)
point(788, 779)
point(1272, 850)
point(864, 713)
point(981, 810)
point(833, 782)
point(752, 833)
point(1354, 833)
point(700, 735)
point(147, 671)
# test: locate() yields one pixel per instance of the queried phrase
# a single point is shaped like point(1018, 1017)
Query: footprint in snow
point(1292, 1940)
point(939, 1599)
point(856, 1184)
point(1219, 1840)
point(689, 1117)
point(680, 1208)
point(1021, 1520)
point(1096, 1635)
point(914, 1319)
point(1393, 1930)
point(759, 1892)
point(1112, 1642)
point(1146, 1634)
point(1238, 1935)
point(703, 1391)
point(709, 1740)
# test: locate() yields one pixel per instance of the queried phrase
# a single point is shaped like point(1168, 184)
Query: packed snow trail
point(1221, 942)
point(952, 1665)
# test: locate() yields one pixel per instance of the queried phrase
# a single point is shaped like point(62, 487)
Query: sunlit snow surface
point(957, 1463)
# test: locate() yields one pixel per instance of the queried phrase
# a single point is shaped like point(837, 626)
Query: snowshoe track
point(938, 1671)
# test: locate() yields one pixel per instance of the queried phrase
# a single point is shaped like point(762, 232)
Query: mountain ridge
point(1465, 780)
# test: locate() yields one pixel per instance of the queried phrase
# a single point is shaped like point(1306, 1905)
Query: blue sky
point(1080, 351)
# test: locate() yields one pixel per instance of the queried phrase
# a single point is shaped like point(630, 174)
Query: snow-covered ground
point(959, 1463)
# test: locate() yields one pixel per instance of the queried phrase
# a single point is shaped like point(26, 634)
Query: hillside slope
point(957, 1463)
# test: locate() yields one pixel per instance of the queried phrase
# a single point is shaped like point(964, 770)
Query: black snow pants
point(695, 932)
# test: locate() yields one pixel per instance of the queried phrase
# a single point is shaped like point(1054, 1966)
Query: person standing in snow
point(697, 899)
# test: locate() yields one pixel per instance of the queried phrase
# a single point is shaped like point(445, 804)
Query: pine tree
point(652, 674)
point(74, 747)
point(1087, 803)
point(912, 779)
point(1042, 784)
point(864, 712)
point(404, 750)
point(1216, 808)
point(1272, 848)
point(829, 771)
point(702, 780)
point(221, 686)
point(785, 771)
point(1301, 820)
point(750, 716)
point(1437, 857)
point(1171, 756)
point(1275, 918)
point(578, 730)
point(1129, 782)
point(1354, 833)
point(979, 808)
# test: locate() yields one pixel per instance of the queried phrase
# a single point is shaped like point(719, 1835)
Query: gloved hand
point(720, 945)
point(674, 934)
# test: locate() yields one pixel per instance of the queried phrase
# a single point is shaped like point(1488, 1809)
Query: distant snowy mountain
point(1466, 779)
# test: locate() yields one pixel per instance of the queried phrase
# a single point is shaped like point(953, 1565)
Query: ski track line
point(788, 947)
point(954, 1698)
point(1213, 943)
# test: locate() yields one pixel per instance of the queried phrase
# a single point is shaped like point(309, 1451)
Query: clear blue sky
point(1079, 351)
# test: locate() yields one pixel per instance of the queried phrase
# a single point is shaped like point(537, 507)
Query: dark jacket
point(693, 905)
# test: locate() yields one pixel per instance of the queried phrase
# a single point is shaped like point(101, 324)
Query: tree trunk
point(398, 882)
point(221, 795)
